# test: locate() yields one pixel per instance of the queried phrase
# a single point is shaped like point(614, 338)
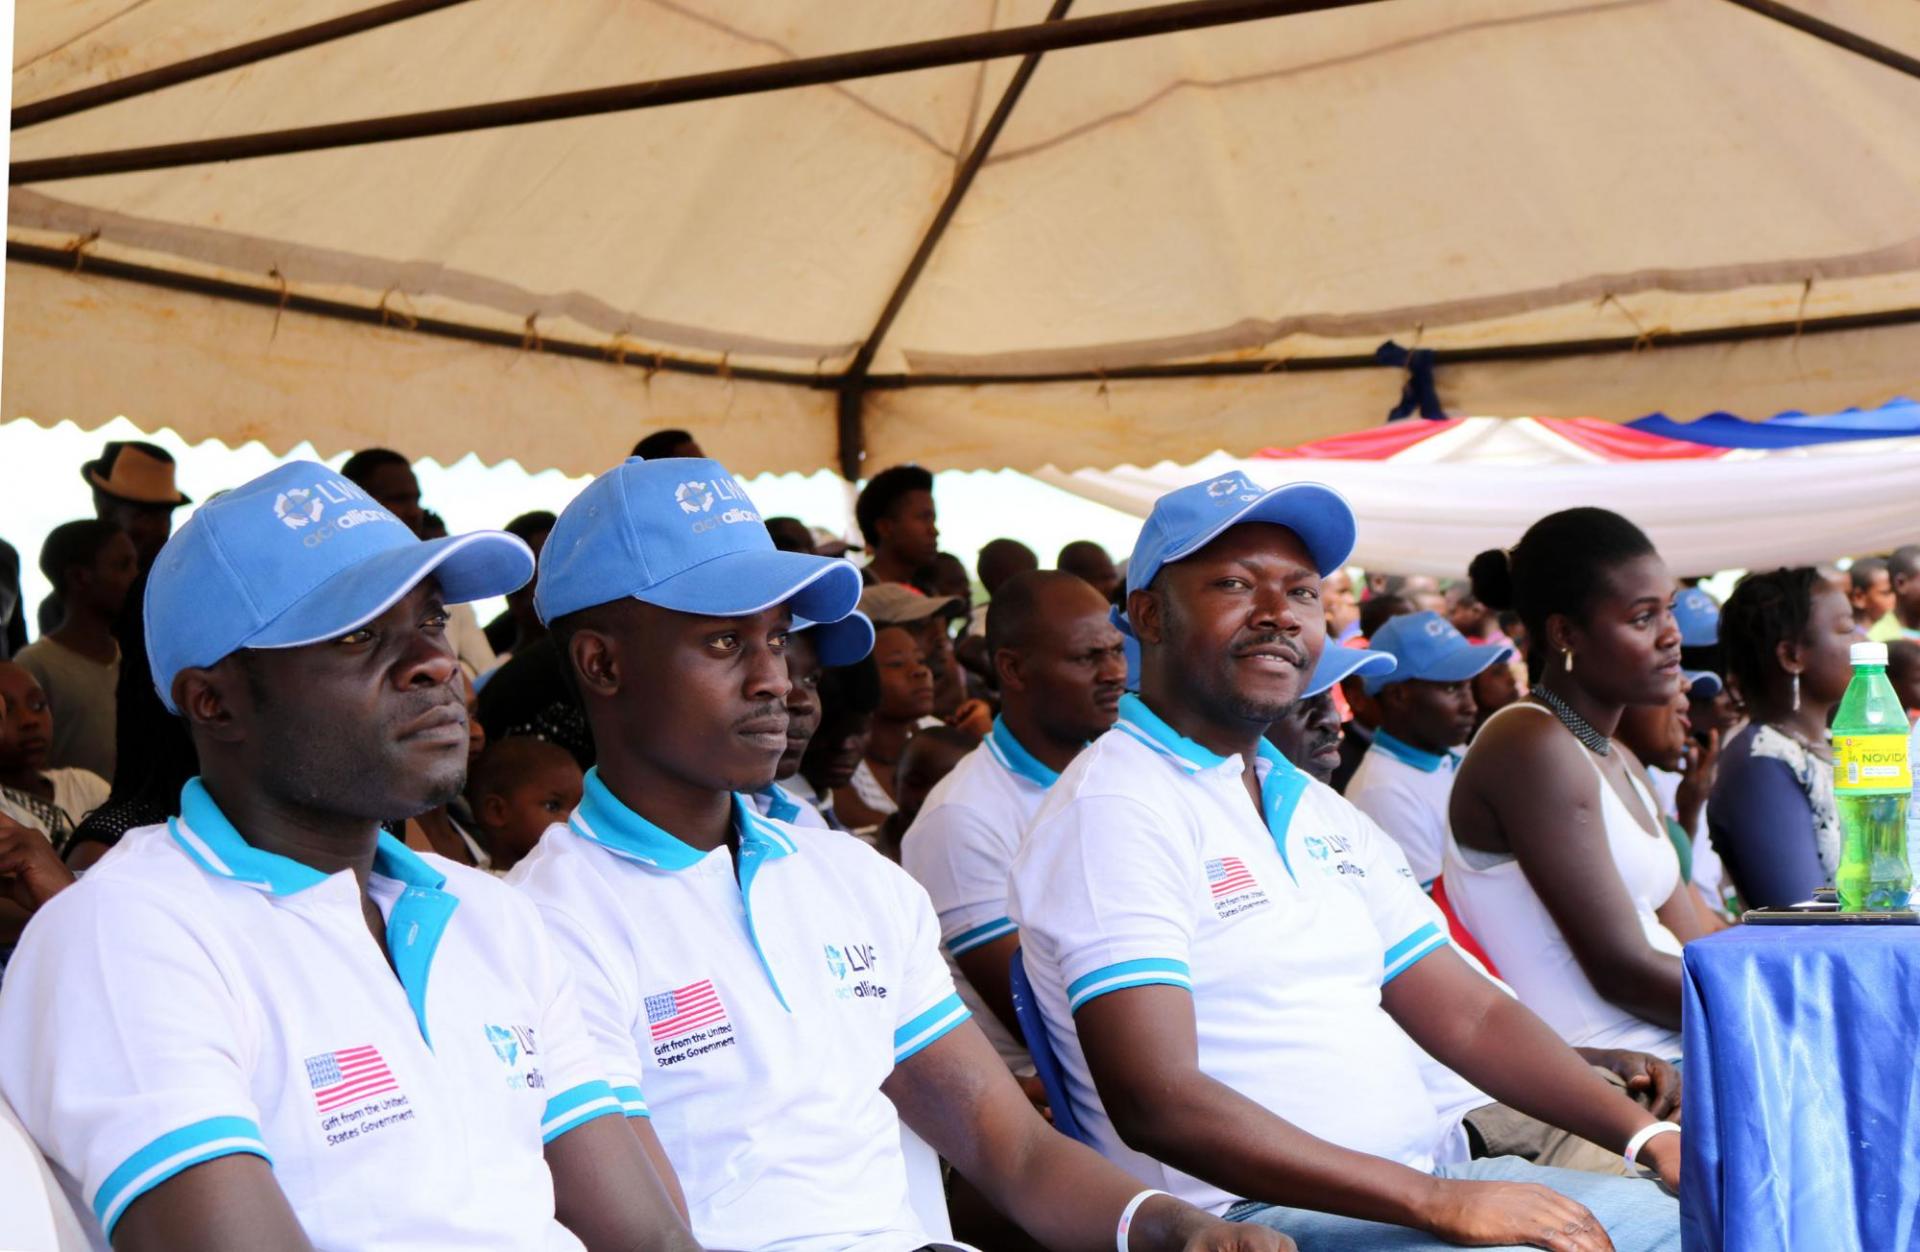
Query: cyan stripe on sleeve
point(928, 1027)
point(576, 1106)
point(168, 1155)
point(1404, 955)
point(1118, 977)
point(986, 932)
point(632, 1103)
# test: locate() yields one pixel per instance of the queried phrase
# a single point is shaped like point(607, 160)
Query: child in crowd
point(517, 789)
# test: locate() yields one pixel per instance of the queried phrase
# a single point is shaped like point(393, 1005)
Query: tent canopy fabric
point(1454, 489)
point(1896, 419)
point(1173, 244)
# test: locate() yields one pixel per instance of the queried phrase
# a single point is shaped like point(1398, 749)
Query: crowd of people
point(1220, 897)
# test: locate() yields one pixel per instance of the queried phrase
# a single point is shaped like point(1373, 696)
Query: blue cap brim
point(469, 567)
point(1702, 684)
point(839, 643)
point(1317, 513)
point(1338, 663)
point(1469, 662)
point(737, 584)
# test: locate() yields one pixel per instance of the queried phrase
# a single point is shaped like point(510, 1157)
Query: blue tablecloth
point(1802, 1090)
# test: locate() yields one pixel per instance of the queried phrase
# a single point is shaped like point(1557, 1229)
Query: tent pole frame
point(147, 81)
point(720, 84)
point(1838, 36)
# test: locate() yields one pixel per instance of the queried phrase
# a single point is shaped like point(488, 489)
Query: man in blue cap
point(1309, 732)
point(1426, 713)
point(778, 990)
point(266, 1023)
point(1237, 970)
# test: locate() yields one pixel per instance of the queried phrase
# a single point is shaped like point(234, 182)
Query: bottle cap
point(1869, 654)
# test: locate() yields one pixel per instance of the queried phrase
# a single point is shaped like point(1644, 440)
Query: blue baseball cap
point(680, 532)
point(1698, 618)
point(1338, 662)
point(1429, 648)
point(1187, 520)
point(1702, 684)
point(300, 556)
point(838, 643)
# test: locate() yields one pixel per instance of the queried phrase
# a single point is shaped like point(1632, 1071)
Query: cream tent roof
point(1166, 245)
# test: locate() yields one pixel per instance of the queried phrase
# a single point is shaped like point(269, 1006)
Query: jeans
point(1638, 1215)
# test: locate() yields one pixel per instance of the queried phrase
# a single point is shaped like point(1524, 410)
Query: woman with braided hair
point(1557, 858)
point(1786, 635)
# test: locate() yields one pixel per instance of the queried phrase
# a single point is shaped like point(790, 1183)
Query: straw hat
point(133, 473)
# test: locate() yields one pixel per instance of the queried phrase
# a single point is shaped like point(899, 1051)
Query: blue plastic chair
point(1040, 1047)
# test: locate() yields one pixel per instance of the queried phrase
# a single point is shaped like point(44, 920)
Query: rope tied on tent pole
point(78, 247)
point(389, 314)
point(286, 294)
point(530, 340)
point(1421, 393)
point(1643, 335)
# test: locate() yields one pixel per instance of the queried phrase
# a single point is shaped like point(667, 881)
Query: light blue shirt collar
point(204, 834)
point(1010, 752)
point(603, 819)
point(1404, 752)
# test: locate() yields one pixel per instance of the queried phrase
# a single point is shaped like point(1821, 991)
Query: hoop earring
point(1796, 693)
point(1569, 660)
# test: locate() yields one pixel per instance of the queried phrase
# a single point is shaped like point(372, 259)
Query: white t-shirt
point(1405, 790)
point(960, 848)
point(1148, 864)
point(762, 1009)
point(195, 997)
point(76, 793)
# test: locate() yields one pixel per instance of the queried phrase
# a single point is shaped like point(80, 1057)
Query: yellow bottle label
point(1871, 763)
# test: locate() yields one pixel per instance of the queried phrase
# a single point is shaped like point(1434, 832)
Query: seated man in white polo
point(1426, 713)
point(777, 990)
point(1235, 966)
point(1062, 670)
point(267, 1024)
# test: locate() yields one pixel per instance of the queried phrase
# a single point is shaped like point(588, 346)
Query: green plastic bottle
point(1872, 780)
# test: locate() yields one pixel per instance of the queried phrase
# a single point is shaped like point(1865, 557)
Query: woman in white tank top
point(1556, 858)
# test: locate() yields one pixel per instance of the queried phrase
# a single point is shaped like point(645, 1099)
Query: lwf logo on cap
point(298, 507)
point(301, 507)
point(697, 497)
point(1235, 484)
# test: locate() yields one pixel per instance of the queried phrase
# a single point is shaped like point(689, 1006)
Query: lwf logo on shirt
point(845, 964)
point(514, 1045)
point(687, 1022)
point(1333, 855)
point(1233, 887)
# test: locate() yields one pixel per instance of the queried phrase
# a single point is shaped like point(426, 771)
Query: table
point(1802, 1092)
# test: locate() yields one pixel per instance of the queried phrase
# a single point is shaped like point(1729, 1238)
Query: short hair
point(883, 492)
point(661, 443)
point(1764, 611)
point(1016, 607)
point(364, 464)
point(1378, 610)
point(1860, 574)
point(1001, 559)
point(1081, 554)
point(1905, 561)
point(925, 580)
point(73, 543)
point(527, 525)
point(1558, 566)
point(790, 534)
point(509, 762)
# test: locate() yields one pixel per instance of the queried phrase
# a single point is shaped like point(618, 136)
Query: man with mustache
point(1236, 968)
point(778, 990)
point(267, 1024)
point(1426, 711)
point(1061, 671)
point(1308, 733)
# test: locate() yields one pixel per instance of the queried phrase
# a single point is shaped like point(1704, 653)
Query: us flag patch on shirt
point(355, 1093)
point(687, 1022)
point(1233, 887)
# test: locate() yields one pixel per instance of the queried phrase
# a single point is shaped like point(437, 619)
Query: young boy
point(517, 789)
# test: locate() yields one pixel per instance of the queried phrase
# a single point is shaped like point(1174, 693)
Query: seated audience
point(1494, 688)
point(1558, 861)
point(790, 534)
point(925, 618)
point(1660, 738)
point(1236, 968)
point(294, 1084)
point(999, 560)
point(811, 1000)
point(515, 790)
point(896, 518)
point(1426, 714)
point(1374, 613)
point(811, 649)
point(1308, 733)
point(1903, 576)
point(133, 488)
point(50, 799)
point(13, 616)
point(92, 566)
point(906, 699)
point(1787, 636)
point(848, 695)
point(946, 576)
point(1869, 591)
point(1062, 671)
point(930, 756)
point(1088, 560)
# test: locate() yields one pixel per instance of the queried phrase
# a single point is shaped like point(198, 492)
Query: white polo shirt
point(1406, 791)
point(762, 1008)
point(783, 805)
point(194, 997)
point(960, 848)
point(1148, 864)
